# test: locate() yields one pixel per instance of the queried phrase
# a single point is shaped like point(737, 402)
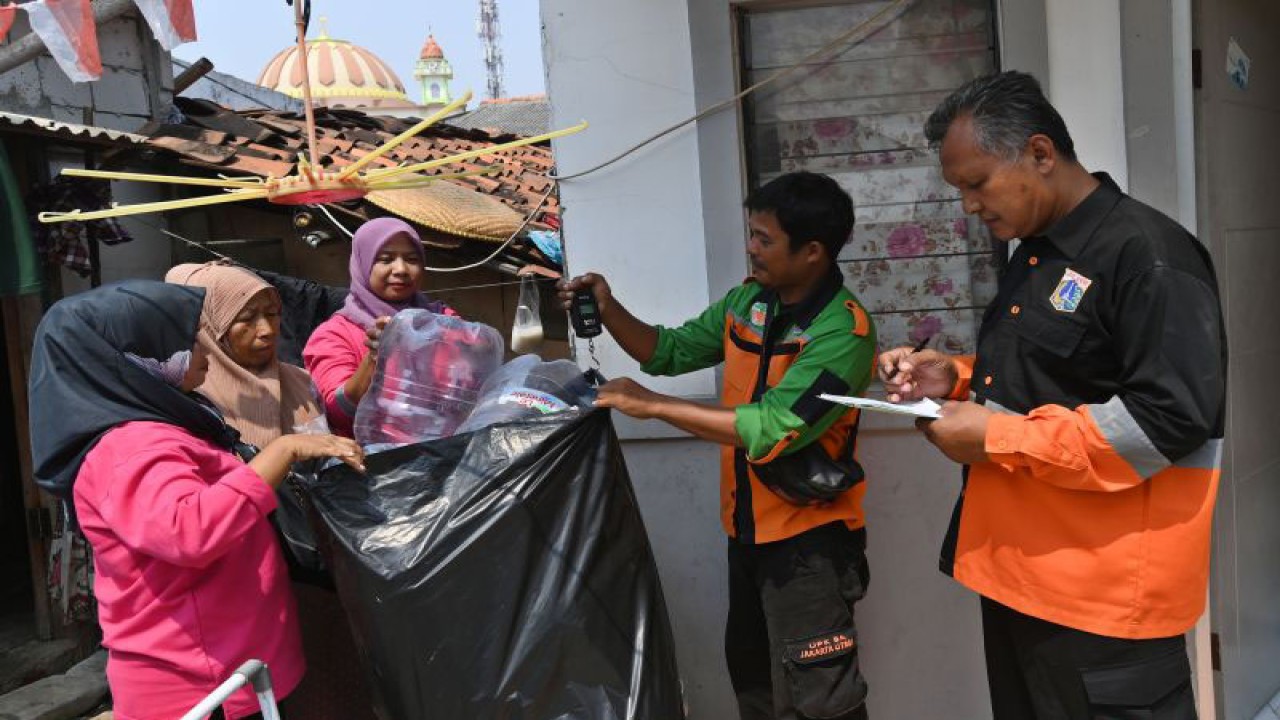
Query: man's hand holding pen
point(912, 373)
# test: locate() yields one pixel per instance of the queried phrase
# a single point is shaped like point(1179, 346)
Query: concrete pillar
point(1086, 80)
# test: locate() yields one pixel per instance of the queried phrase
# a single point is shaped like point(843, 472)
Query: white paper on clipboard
point(924, 408)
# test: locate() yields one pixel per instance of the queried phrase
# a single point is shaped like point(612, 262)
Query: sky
point(241, 36)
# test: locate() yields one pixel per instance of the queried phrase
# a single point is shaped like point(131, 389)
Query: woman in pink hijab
point(386, 272)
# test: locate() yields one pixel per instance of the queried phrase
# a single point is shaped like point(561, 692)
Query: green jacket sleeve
point(789, 416)
point(695, 345)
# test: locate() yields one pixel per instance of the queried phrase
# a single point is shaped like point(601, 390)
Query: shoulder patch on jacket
point(861, 323)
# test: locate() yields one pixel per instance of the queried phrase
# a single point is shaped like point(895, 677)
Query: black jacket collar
point(1072, 233)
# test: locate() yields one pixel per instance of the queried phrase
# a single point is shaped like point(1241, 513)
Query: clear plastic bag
point(526, 331)
point(429, 374)
point(527, 388)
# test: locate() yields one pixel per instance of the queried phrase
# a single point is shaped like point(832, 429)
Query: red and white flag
point(7, 14)
point(172, 21)
point(67, 29)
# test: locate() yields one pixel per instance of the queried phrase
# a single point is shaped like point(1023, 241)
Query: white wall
point(625, 68)
point(1086, 80)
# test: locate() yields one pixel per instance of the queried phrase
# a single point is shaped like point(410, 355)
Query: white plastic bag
point(528, 388)
point(526, 331)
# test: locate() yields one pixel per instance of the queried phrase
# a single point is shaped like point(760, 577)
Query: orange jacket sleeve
point(964, 368)
point(1062, 447)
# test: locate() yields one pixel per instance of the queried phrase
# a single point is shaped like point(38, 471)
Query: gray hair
point(1006, 110)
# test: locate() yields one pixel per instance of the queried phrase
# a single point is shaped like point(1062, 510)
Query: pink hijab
point(363, 305)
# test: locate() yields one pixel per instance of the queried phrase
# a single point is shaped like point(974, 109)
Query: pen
point(920, 345)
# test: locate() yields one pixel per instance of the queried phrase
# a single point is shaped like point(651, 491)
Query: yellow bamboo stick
point(378, 172)
point(175, 179)
point(394, 142)
point(78, 216)
point(425, 181)
point(392, 172)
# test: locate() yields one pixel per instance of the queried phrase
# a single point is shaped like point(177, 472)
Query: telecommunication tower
point(491, 35)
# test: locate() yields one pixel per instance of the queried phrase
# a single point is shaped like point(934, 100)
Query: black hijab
point(82, 383)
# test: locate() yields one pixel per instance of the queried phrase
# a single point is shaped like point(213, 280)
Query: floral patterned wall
point(916, 261)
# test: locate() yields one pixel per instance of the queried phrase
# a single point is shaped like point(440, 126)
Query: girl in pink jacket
point(189, 579)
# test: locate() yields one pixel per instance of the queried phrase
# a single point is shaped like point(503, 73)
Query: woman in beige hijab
point(264, 398)
point(260, 396)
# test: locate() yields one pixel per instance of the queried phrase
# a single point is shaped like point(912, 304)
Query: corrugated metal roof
point(70, 131)
point(516, 116)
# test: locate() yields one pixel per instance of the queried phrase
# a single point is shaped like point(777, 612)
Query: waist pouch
point(809, 476)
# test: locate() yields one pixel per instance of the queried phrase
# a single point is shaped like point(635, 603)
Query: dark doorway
point(16, 596)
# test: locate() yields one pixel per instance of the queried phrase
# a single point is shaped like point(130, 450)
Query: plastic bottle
point(428, 377)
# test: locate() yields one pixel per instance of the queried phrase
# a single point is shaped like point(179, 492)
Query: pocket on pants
point(1157, 688)
point(823, 673)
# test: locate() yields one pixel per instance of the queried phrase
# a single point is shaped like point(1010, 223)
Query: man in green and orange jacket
point(788, 335)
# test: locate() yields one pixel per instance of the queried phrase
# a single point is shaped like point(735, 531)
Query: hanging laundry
point(173, 22)
point(67, 29)
point(7, 15)
point(68, 243)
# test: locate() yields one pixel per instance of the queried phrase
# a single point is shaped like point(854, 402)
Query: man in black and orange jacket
point(1090, 422)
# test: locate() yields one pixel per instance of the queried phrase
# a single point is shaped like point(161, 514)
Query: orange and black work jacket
point(777, 360)
point(1104, 356)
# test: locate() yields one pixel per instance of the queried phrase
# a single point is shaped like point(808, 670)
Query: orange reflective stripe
point(861, 323)
point(777, 450)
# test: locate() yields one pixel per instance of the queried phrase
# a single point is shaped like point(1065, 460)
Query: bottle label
point(534, 400)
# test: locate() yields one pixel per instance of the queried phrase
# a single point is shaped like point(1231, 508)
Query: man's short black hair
point(809, 207)
point(1007, 109)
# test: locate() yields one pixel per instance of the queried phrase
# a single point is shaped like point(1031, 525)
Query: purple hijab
point(363, 306)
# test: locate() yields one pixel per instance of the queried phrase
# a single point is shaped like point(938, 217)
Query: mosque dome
point(342, 75)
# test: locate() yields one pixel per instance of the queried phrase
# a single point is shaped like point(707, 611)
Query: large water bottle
point(428, 377)
point(527, 388)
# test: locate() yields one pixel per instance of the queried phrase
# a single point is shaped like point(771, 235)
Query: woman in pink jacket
point(189, 578)
point(386, 272)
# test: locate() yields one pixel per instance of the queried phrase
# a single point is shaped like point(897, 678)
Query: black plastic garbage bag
point(503, 574)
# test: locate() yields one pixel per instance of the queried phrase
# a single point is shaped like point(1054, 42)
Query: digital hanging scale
point(584, 313)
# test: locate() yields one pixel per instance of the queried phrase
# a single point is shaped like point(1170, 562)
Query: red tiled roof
point(267, 142)
point(431, 50)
